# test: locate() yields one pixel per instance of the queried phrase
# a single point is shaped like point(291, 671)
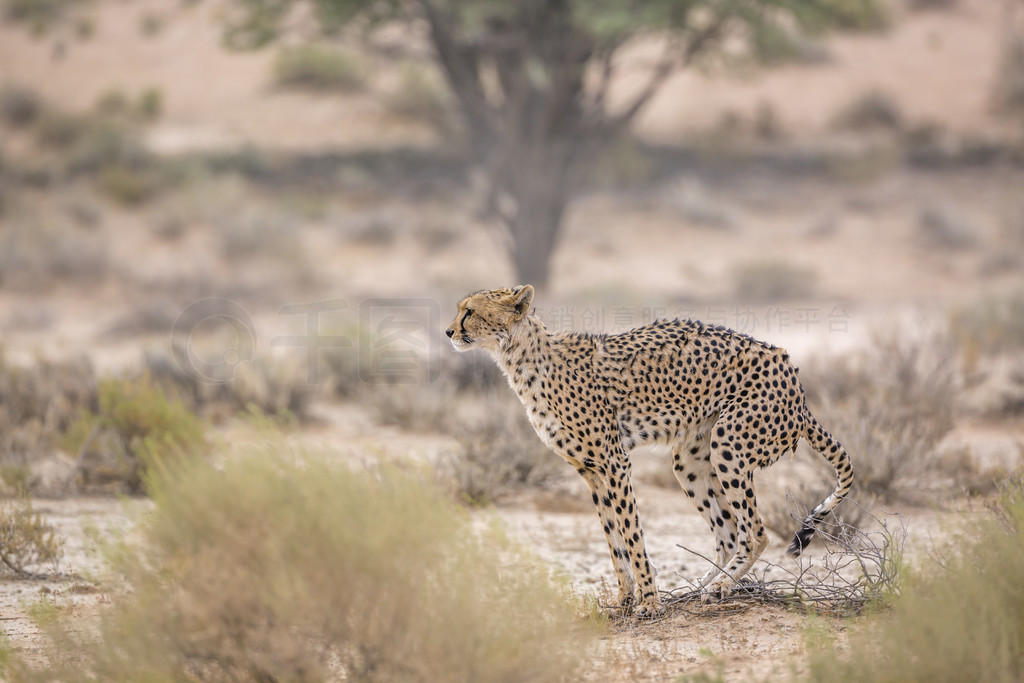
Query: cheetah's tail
point(833, 451)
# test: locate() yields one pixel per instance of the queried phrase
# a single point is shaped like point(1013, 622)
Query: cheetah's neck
point(527, 355)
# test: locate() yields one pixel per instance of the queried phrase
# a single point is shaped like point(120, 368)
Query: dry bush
point(871, 110)
point(860, 571)
point(499, 452)
point(38, 404)
point(772, 281)
point(34, 256)
point(1009, 87)
point(989, 327)
point(269, 386)
point(958, 618)
point(943, 227)
point(422, 95)
point(27, 541)
point(415, 407)
point(890, 405)
point(278, 566)
point(20, 106)
point(262, 233)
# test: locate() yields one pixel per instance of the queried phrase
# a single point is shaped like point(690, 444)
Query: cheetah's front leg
point(605, 503)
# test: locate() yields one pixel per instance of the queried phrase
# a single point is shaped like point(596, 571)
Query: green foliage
point(278, 566)
point(126, 185)
point(40, 15)
point(26, 539)
point(520, 76)
point(314, 67)
point(958, 618)
point(136, 426)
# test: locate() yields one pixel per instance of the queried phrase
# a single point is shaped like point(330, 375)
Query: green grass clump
point(313, 67)
point(958, 619)
point(137, 425)
point(279, 566)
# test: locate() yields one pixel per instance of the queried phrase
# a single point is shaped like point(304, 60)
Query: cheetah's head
point(485, 318)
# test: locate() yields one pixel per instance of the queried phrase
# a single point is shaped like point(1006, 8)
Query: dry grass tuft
point(498, 454)
point(891, 405)
point(958, 618)
point(27, 541)
point(278, 566)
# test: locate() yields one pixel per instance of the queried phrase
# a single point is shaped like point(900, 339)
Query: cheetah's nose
point(449, 333)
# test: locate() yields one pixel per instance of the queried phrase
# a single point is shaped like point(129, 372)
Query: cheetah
point(725, 403)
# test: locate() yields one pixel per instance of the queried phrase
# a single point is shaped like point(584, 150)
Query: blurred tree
point(531, 78)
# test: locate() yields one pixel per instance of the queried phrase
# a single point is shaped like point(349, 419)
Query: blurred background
point(223, 216)
point(278, 204)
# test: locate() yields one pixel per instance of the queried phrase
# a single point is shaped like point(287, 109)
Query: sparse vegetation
point(319, 68)
point(772, 281)
point(958, 619)
point(34, 256)
point(20, 106)
point(27, 541)
point(891, 405)
point(137, 426)
point(268, 386)
point(498, 453)
point(280, 567)
point(944, 227)
point(1009, 89)
point(872, 110)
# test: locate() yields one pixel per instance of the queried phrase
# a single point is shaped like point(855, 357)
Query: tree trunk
point(535, 229)
point(537, 180)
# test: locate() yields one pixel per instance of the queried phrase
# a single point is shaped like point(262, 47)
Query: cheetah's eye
point(469, 312)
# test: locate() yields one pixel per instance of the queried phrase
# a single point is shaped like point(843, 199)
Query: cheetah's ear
point(522, 297)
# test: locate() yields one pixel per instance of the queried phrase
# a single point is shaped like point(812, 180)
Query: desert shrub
point(1009, 87)
point(34, 256)
point(691, 200)
point(137, 424)
point(27, 541)
point(932, 4)
point(412, 406)
point(20, 106)
point(990, 326)
point(772, 281)
point(498, 453)
point(127, 185)
point(38, 404)
point(269, 386)
point(944, 227)
point(423, 95)
point(871, 110)
point(263, 233)
point(281, 567)
point(318, 68)
point(39, 14)
point(150, 105)
point(890, 405)
point(958, 618)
